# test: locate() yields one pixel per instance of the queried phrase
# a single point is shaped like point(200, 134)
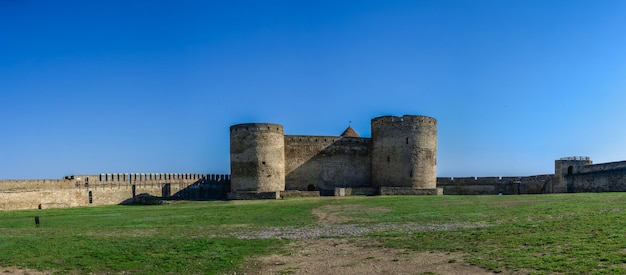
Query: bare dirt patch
point(344, 256)
point(336, 221)
point(341, 213)
point(320, 248)
point(21, 271)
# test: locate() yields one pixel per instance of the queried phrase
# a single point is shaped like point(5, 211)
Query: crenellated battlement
point(137, 177)
point(120, 179)
point(327, 139)
point(404, 151)
point(576, 158)
point(266, 127)
point(404, 118)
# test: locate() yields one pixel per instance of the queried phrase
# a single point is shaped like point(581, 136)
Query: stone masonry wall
point(404, 151)
point(257, 157)
point(324, 163)
point(496, 185)
point(17, 185)
point(108, 189)
point(606, 177)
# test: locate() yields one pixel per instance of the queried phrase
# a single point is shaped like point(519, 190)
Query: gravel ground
point(344, 230)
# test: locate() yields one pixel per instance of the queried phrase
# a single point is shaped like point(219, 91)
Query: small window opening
point(407, 140)
point(411, 174)
point(90, 197)
point(570, 170)
point(311, 187)
point(388, 159)
point(263, 163)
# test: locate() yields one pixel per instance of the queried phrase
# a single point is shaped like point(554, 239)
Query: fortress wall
point(496, 185)
point(60, 198)
point(621, 165)
point(50, 198)
point(469, 186)
point(600, 180)
point(181, 186)
point(578, 174)
point(323, 162)
point(73, 192)
point(15, 185)
point(138, 177)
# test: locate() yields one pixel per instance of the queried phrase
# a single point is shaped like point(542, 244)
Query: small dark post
point(37, 221)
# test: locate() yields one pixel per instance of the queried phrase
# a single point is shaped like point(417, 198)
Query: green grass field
point(564, 233)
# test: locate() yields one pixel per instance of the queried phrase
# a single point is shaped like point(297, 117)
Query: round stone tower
point(404, 151)
point(257, 157)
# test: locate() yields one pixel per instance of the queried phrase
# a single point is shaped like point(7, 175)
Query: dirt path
point(342, 256)
point(356, 255)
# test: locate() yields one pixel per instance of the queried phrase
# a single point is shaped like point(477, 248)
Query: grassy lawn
point(566, 233)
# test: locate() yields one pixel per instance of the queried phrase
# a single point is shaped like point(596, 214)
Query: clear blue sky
point(153, 86)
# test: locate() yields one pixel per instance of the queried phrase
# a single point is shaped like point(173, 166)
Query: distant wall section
point(587, 177)
point(496, 185)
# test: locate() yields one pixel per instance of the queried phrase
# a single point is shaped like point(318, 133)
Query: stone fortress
point(400, 158)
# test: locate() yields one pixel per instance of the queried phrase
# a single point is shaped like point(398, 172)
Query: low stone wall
point(251, 195)
point(299, 194)
point(496, 185)
point(389, 191)
point(356, 191)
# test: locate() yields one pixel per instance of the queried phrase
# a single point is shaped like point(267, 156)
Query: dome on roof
point(349, 132)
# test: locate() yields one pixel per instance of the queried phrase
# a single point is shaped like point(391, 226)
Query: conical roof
point(349, 132)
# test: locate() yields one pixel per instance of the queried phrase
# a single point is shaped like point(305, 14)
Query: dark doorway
point(311, 187)
point(570, 170)
point(166, 190)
